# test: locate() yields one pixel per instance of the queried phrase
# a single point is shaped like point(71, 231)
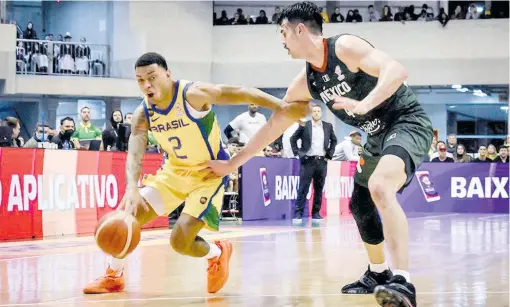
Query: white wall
point(465, 52)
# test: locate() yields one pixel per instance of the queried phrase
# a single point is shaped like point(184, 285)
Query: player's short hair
point(150, 58)
point(355, 133)
point(303, 12)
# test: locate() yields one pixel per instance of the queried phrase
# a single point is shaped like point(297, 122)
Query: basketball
point(118, 234)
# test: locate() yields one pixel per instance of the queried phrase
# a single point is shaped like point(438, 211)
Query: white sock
point(117, 265)
point(379, 268)
point(405, 274)
point(214, 251)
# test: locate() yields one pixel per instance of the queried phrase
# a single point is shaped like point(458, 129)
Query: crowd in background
point(410, 13)
point(452, 151)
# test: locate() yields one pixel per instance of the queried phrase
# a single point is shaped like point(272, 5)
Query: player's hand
point(131, 200)
point(348, 104)
point(218, 169)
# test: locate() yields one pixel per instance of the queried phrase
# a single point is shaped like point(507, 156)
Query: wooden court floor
point(456, 260)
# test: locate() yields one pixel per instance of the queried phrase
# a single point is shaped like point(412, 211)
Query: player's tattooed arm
point(201, 95)
point(136, 147)
point(357, 54)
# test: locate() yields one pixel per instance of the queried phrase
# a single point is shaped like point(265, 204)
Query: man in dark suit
point(318, 143)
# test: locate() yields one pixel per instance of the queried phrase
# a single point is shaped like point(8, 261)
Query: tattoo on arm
point(136, 147)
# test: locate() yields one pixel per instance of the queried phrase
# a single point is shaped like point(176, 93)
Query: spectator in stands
point(128, 117)
point(65, 139)
point(49, 49)
point(223, 20)
point(21, 58)
point(458, 13)
point(386, 14)
point(86, 131)
point(472, 12)
point(42, 133)
point(111, 134)
point(82, 57)
point(452, 143)
point(442, 157)
point(324, 14)
point(350, 16)
point(443, 17)
point(429, 14)
point(236, 20)
point(246, 124)
point(492, 152)
point(503, 155)
point(13, 123)
point(401, 15)
point(507, 141)
point(29, 32)
point(268, 152)
point(337, 16)
point(40, 58)
point(262, 18)
point(411, 10)
point(347, 150)
point(357, 16)
point(276, 15)
point(67, 54)
point(482, 155)
point(422, 16)
point(372, 15)
point(287, 148)
point(460, 155)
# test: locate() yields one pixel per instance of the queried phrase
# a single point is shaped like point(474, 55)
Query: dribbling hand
point(131, 200)
point(348, 104)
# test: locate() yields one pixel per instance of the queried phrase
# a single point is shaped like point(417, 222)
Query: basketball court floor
point(456, 260)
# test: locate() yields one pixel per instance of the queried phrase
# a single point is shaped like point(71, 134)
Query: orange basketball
point(118, 234)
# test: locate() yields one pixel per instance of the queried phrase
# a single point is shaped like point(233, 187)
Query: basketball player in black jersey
point(365, 88)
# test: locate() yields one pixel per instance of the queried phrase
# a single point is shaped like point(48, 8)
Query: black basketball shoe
point(367, 283)
point(396, 293)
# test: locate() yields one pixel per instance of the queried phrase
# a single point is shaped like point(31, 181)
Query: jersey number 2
point(177, 147)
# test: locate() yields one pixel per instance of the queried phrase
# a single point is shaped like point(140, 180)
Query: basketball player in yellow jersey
point(179, 115)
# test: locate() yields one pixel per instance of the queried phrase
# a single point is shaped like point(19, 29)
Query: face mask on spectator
point(68, 133)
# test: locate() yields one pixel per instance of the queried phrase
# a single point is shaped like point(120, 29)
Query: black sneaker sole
point(390, 298)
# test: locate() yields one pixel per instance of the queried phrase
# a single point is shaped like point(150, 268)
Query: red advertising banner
point(52, 192)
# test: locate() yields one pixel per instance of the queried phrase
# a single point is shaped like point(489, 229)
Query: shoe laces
point(213, 267)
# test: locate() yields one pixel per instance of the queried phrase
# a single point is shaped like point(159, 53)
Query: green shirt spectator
point(87, 132)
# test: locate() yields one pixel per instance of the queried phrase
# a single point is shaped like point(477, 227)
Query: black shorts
point(409, 138)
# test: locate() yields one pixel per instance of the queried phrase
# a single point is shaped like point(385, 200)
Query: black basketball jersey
point(337, 80)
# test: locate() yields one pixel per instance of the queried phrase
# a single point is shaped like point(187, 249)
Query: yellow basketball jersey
point(187, 136)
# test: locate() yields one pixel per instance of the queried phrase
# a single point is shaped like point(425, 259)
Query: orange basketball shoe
point(109, 282)
point(217, 272)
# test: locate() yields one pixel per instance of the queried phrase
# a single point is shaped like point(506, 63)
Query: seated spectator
point(401, 15)
point(223, 20)
point(433, 147)
point(337, 16)
point(276, 15)
point(82, 57)
point(350, 16)
point(430, 14)
point(347, 150)
point(110, 134)
point(42, 133)
point(503, 155)
point(372, 15)
point(65, 139)
point(237, 20)
point(268, 152)
point(472, 12)
point(87, 131)
point(443, 17)
point(324, 14)
point(357, 16)
point(442, 157)
point(422, 16)
point(13, 123)
point(436, 154)
point(491, 152)
point(411, 11)
point(458, 13)
point(262, 18)
point(386, 14)
point(482, 155)
point(40, 59)
point(460, 155)
point(128, 117)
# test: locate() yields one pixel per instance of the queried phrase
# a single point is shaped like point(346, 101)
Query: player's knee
point(369, 223)
point(381, 190)
point(178, 242)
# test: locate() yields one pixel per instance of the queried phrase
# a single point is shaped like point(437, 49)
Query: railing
point(42, 57)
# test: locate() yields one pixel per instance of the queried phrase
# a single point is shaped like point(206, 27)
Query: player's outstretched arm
point(200, 95)
point(357, 54)
point(136, 147)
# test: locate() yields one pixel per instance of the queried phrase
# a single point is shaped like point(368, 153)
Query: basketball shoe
point(396, 293)
point(367, 283)
point(109, 282)
point(218, 269)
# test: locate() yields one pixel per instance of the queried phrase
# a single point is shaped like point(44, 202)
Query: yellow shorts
point(203, 199)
